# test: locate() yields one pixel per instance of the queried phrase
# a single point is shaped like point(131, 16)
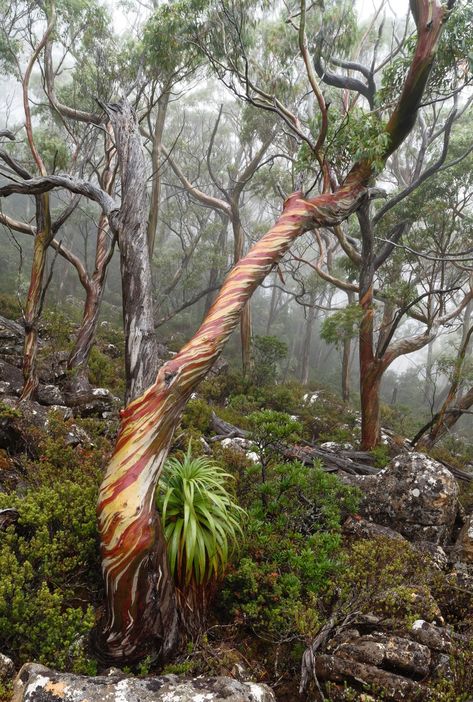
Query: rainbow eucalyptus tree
point(141, 613)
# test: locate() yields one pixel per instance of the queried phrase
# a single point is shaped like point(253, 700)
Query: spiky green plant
point(200, 519)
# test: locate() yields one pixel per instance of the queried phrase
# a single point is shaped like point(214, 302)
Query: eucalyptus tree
point(141, 615)
point(229, 168)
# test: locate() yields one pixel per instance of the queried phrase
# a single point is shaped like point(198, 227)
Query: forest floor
point(332, 557)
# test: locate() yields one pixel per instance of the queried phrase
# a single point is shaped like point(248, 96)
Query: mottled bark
point(138, 321)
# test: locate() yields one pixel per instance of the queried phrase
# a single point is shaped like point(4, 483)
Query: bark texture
point(131, 226)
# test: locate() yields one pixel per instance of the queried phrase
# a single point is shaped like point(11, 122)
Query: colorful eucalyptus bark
point(141, 611)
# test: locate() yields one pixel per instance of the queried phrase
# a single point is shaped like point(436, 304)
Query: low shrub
point(291, 546)
point(49, 572)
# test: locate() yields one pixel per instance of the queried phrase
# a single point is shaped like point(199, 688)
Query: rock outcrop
point(414, 495)
point(35, 683)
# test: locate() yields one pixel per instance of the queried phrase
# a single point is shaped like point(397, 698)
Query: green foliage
point(105, 371)
point(167, 36)
point(343, 324)
point(381, 454)
point(200, 518)
point(290, 547)
point(351, 137)
point(197, 415)
point(53, 150)
point(387, 577)
point(46, 561)
point(7, 412)
point(457, 687)
point(9, 306)
point(268, 429)
point(268, 352)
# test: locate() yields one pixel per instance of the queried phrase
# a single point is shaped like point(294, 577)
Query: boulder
point(435, 637)
point(386, 651)
point(363, 529)
point(414, 495)
point(11, 379)
point(35, 683)
point(341, 670)
point(7, 667)
point(435, 553)
point(12, 336)
point(16, 422)
point(50, 395)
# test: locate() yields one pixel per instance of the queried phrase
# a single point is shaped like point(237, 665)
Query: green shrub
point(388, 577)
point(106, 372)
point(48, 567)
point(268, 352)
point(197, 415)
point(269, 432)
point(291, 547)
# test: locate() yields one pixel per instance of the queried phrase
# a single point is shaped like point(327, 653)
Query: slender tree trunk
point(245, 321)
point(370, 367)
point(346, 369)
point(306, 344)
point(138, 305)
point(452, 407)
point(153, 220)
point(94, 286)
point(272, 309)
point(215, 268)
point(346, 360)
point(43, 238)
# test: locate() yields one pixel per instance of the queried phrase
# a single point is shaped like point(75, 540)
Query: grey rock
point(7, 667)
point(50, 395)
point(393, 652)
point(434, 552)
point(435, 637)
point(11, 379)
point(15, 430)
point(363, 529)
point(36, 683)
point(413, 495)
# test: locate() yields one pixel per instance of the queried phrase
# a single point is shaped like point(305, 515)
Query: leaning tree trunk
point(140, 608)
point(140, 615)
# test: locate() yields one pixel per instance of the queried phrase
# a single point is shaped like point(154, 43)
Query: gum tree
point(141, 614)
